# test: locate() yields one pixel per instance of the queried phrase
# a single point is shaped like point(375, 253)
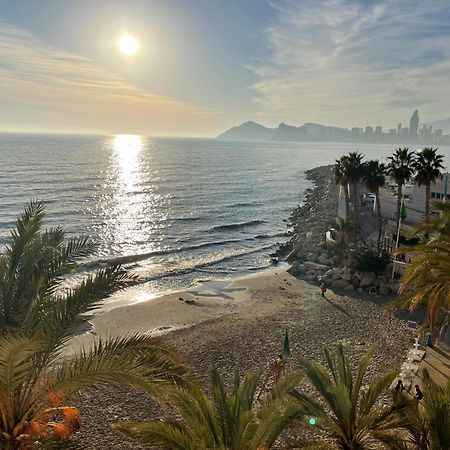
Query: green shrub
point(369, 259)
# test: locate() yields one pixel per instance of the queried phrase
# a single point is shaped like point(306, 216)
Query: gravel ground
point(244, 343)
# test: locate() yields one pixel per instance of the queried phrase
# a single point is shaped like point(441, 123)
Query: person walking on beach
point(323, 289)
point(277, 368)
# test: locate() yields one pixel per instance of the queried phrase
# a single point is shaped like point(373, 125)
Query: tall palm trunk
point(399, 201)
point(347, 201)
point(380, 222)
point(427, 200)
point(355, 200)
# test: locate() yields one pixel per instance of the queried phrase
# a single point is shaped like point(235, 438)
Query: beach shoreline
point(238, 324)
point(241, 335)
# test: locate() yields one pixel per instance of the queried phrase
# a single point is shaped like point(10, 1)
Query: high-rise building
point(392, 131)
point(368, 131)
point(414, 123)
point(399, 128)
point(405, 131)
point(378, 130)
point(437, 136)
point(355, 131)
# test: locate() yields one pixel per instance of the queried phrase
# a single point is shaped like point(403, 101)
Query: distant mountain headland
point(315, 132)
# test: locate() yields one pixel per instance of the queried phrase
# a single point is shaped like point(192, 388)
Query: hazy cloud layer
point(354, 62)
point(42, 84)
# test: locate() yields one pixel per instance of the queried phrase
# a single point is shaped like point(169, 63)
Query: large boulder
point(322, 259)
point(384, 288)
point(340, 284)
point(349, 288)
point(367, 279)
point(346, 274)
point(355, 281)
point(359, 275)
point(394, 285)
point(309, 265)
point(311, 257)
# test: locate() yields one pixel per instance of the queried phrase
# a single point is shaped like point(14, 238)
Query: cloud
point(43, 83)
point(355, 62)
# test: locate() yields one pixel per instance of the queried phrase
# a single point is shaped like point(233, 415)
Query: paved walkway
point(437, 362)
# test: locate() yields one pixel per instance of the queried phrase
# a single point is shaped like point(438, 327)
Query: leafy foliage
point(229, 420)
point(347, 411)
point(38, 316)
point(401, 167)
point(426, 281)
point(369, 259)
point(428, 165)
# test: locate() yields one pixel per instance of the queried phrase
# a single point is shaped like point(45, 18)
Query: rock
point(394, 285)
point(360, 290)
point(309, 265)
point(346, 274)
point(349, 288)
point(322, 259)
point(355, 281)
point(367, 279)
point(340, 284)
point(384, 289)
point(311, 257)
point(359, 275)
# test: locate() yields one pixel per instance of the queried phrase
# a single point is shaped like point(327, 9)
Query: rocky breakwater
point(307, 250)
point(311, 258)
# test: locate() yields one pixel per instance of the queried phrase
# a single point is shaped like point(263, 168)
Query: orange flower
point(72, 417)
point(61, 431)
point(54, 398)
point(36, 429)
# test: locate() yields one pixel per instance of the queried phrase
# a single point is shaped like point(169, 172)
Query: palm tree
point(374, 179)
point(342, 180)
point(401, 168)
point(38, 316)
point(347, 412)
point(228, 421)
point(425, 424)
point(426, 281)
point(428, 165)
point(353, 170)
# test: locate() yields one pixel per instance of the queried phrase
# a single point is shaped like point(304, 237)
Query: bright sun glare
point(128, 44)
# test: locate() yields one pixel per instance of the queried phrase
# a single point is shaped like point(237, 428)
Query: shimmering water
point(181, 210)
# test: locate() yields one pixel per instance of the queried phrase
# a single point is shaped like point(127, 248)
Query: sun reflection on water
point(127, 149)
point(128, 205)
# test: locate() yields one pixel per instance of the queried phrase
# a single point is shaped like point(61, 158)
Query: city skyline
point(200, 67)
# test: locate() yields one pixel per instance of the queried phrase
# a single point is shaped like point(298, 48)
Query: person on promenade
point(323, 289)
point(399, 386)
point(418, 394)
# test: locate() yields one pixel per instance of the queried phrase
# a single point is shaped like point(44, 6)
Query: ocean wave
point(129, 259)
point(238, 225)
point(270, 236)
point(200, 264)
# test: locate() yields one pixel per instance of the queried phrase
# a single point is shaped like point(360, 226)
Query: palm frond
point(167, 435)
point(132, 361)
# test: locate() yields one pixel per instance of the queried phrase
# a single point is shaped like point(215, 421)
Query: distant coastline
point(313, 132)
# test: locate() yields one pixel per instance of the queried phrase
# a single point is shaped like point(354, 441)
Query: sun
point(128, 44)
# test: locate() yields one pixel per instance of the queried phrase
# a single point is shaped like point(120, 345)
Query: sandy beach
point(239, 325)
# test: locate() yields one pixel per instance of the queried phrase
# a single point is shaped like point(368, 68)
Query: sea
point(178, 211)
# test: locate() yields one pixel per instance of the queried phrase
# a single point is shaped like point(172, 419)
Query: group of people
point(418, 394)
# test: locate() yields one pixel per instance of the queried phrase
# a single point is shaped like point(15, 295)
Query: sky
point(205, 65)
